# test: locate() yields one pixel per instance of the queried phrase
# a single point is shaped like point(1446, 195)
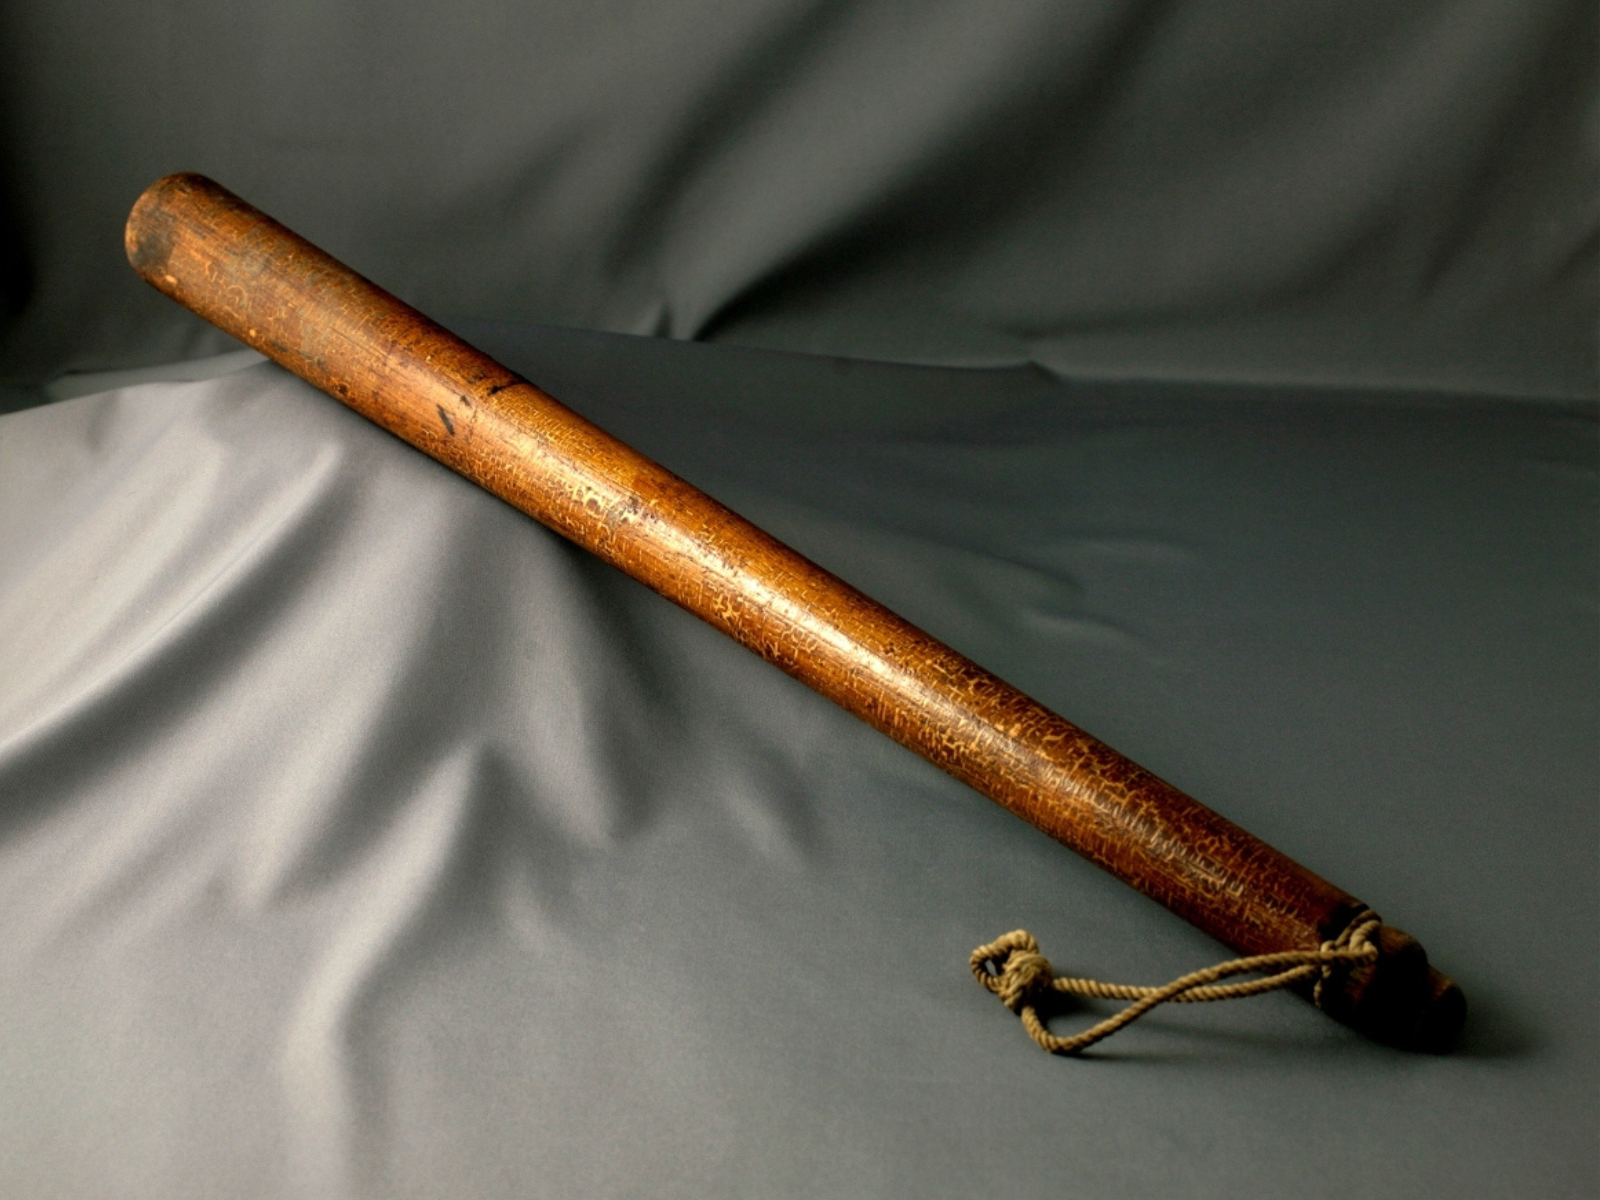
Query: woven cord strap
point(1012, 968)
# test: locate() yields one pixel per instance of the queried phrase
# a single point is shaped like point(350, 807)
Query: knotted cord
point(1012, 968)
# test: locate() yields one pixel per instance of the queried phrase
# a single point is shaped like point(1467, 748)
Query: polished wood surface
point(271, 289)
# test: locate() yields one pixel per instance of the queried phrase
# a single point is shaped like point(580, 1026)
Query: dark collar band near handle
point(274, 291)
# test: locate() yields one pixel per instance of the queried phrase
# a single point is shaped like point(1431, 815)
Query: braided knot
point(1022, 977)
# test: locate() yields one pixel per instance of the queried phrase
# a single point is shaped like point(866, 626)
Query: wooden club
point(235, 266)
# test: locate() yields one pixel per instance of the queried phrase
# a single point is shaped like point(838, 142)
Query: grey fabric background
point(361, 838)
point(1369, 193)
point(1234, 395)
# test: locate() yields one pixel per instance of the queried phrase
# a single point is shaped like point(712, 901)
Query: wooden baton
point(238, 268)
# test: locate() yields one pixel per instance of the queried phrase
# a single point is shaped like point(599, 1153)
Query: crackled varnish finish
point(271, 289)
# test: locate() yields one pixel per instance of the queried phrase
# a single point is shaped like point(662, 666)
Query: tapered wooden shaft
point(215, 254)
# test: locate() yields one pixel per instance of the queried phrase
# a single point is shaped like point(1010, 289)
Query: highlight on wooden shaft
point(235, 266)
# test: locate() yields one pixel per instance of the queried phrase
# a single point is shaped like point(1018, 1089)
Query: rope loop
point(1013, 969)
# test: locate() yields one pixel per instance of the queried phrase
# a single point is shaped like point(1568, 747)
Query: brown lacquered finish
point(271, 289)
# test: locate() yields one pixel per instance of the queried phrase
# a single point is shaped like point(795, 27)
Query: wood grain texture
point(271, 289)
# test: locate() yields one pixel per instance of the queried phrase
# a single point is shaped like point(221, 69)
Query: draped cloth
point(360, 837)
